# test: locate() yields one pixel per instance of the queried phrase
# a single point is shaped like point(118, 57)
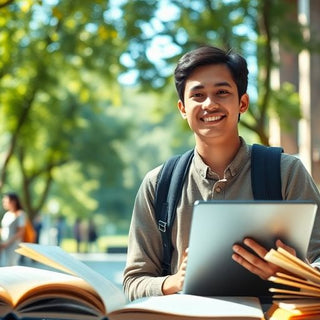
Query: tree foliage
point(57, 80)
point(72, 128)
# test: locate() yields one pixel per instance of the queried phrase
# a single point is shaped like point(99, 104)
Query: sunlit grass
point(101, 245)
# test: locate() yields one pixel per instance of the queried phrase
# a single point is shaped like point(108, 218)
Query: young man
point(211, 85)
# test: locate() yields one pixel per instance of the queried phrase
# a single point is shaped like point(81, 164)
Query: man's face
point(211, 103)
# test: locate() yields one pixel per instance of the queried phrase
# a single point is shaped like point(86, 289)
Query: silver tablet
point(217, 225)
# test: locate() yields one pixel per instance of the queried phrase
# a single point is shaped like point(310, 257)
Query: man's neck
point(218, 155)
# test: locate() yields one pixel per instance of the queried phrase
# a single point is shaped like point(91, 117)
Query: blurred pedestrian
point(12, 229)
point(60, 226)
point(37, 224)
point(77, 233)
point(92, 236)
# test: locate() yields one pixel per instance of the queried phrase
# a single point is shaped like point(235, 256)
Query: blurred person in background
point(77, 233)
point(12, 229)
point(92, 236)
point(60, 226)
point(37, 224)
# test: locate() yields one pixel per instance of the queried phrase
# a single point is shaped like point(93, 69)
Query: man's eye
point(197, 95)
point(222, 92)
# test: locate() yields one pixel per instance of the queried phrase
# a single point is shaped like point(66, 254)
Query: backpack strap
point(266, 172)
point(168, 192)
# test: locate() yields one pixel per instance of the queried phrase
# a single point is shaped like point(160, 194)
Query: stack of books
point(296, 294)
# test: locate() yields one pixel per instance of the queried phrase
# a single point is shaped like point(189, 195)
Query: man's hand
point(174, 283)
point(255, 263)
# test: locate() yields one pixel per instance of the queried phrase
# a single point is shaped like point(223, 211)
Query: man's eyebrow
point(197, 87)
point(218, 84)
point(222, 84)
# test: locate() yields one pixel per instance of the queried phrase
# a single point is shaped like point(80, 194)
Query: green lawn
point(102, 245)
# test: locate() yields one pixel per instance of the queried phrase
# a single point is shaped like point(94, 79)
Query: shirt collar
point(240, 159)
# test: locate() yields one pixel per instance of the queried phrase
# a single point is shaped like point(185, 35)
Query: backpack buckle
point(162, 226)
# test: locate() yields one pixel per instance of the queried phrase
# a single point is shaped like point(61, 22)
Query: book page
point(300, 269)
point(302, 286)
point(295, 279)
point(186, 306)
point(299, 262)
point(295, 309)
point(55, 257)
point(21, 282)
point(285, 293)
point(5, 298)
point(301, 304)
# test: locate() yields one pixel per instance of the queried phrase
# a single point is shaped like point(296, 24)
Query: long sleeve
point(142, 275)
point(297, 184)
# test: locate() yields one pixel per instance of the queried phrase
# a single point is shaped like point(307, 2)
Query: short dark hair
point(207, 55)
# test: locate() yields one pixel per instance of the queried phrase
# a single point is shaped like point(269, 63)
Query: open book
point(78, 292)
point(297, 289)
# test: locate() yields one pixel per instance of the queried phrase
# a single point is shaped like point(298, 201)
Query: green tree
point(57, 72)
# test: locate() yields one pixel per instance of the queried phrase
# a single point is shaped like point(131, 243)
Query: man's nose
point(209, 104)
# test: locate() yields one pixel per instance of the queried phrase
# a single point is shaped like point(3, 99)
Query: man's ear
point(244, 103)
point(182, 109)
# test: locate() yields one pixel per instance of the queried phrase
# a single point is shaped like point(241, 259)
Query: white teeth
point(207, 119)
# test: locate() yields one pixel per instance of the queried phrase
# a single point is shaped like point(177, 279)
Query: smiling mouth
point(212, 119)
